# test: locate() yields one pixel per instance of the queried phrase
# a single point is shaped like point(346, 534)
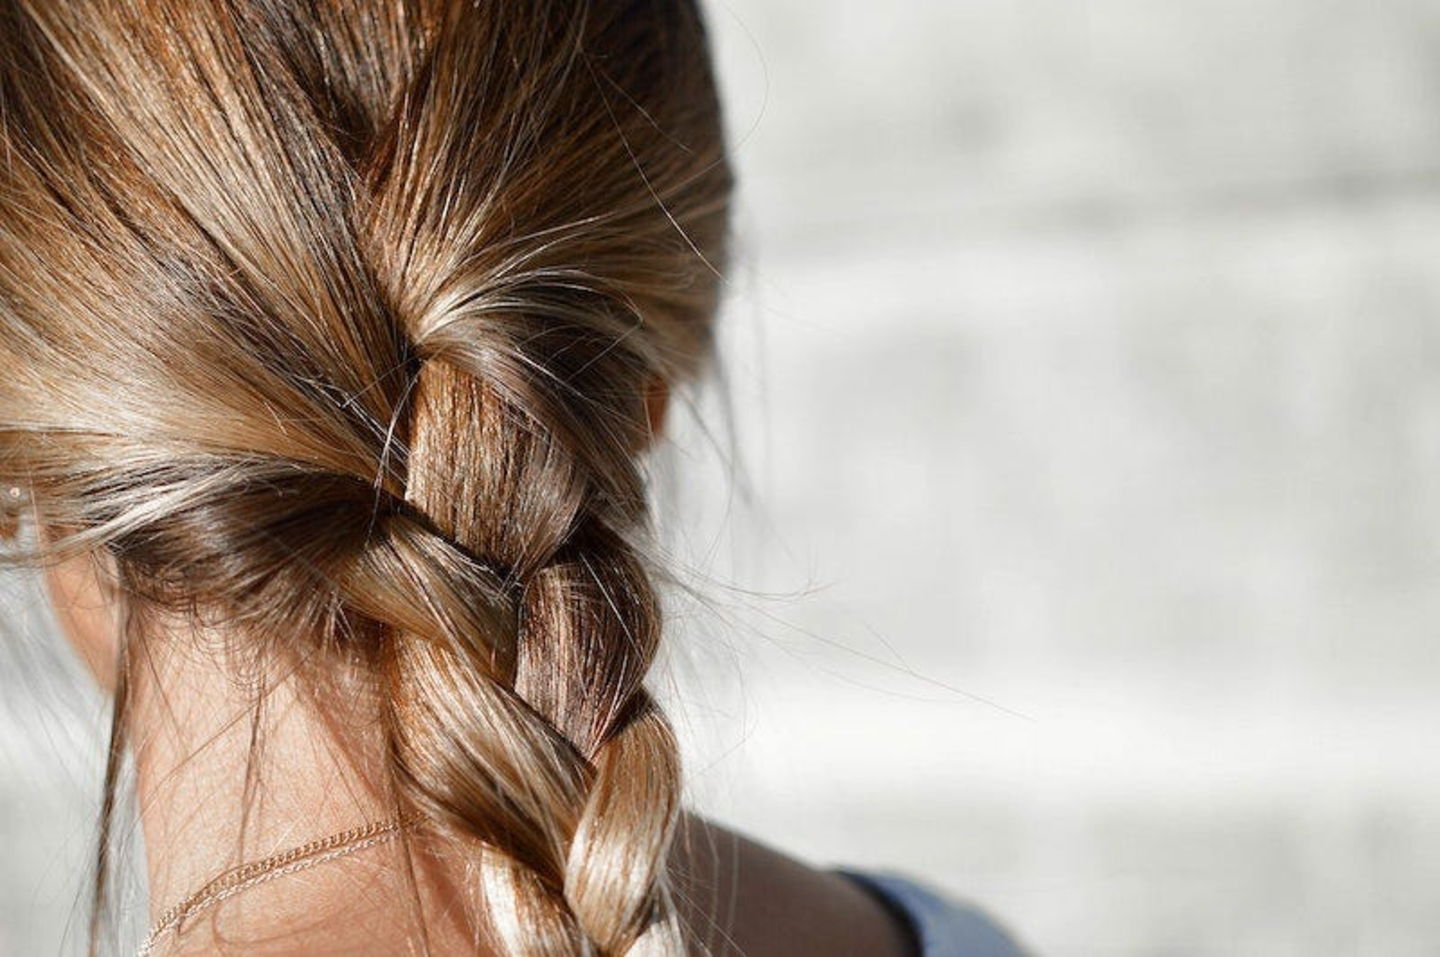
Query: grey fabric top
point(942, 925)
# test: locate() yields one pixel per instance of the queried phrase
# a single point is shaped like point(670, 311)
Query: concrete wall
point(1088, 358)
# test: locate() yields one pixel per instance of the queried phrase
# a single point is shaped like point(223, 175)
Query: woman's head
point(337, 329)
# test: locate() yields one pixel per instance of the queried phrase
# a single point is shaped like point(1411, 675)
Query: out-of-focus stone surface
point(1087, 358)
point(1085, 365)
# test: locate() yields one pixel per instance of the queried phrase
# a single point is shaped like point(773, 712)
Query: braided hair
point(332, 324)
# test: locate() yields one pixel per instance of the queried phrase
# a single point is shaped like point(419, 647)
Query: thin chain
point(245, 876)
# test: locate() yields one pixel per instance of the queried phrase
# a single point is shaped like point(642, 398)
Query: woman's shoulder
point(738, 895)
point(741, 896)
point(941, 924)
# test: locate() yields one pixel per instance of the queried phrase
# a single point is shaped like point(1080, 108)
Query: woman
point(334, 336)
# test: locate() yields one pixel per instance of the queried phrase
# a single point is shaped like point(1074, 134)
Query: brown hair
point(331, 325)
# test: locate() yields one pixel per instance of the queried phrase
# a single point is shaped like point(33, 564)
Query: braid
point(388, 282)
point(593, 798)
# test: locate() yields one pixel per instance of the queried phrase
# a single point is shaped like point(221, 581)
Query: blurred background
point(1077, 548)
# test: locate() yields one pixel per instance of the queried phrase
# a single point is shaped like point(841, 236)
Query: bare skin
point(193, 744)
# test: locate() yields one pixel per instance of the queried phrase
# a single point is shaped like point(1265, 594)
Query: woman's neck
point(228, 774)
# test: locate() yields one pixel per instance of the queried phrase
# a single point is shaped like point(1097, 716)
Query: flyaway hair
point(331, 325)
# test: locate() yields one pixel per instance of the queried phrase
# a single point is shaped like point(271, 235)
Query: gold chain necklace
point(245, 876)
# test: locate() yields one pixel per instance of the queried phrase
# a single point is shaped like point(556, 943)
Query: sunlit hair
point(330, 326)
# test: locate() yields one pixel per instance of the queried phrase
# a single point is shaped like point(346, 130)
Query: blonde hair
point(331, 325)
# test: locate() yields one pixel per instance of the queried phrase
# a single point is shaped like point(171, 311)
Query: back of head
point(331, 326)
